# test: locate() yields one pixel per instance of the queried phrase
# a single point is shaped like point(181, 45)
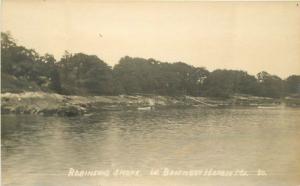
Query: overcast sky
point(245, 36)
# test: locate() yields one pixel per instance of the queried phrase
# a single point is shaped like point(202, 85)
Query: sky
point(250, 36)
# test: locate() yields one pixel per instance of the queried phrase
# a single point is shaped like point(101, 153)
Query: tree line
point(81, 74)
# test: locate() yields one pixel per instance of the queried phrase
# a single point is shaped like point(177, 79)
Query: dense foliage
point(80, 74)
point(25, 68)
point(84, 74)
point(137, 75)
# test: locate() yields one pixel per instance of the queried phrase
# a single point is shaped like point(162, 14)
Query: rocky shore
point(54, 104)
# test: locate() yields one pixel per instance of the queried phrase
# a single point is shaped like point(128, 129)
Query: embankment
point(54, 104)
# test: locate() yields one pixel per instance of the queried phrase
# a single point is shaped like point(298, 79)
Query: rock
point(54, 104)
point(70, 111)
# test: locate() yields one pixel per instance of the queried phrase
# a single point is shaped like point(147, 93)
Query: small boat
point(144, 108)
point(268, 107)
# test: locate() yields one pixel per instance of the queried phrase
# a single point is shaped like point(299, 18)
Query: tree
point(148, 76)
point(292, 84)
point(85, 74)
point(224, 83)
point(26, 65)
point(270, 85)
point(24, 69)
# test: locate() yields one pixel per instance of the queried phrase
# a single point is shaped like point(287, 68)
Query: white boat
point(268, 107)
point(144, 108)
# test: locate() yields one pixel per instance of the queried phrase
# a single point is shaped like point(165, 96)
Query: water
point(39, 151)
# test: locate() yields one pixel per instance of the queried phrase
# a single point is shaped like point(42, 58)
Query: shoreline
point(43, 103)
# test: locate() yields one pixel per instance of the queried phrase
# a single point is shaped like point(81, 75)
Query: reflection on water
point(40, 150)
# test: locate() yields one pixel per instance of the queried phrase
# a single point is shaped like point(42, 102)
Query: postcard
point(150, 93)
